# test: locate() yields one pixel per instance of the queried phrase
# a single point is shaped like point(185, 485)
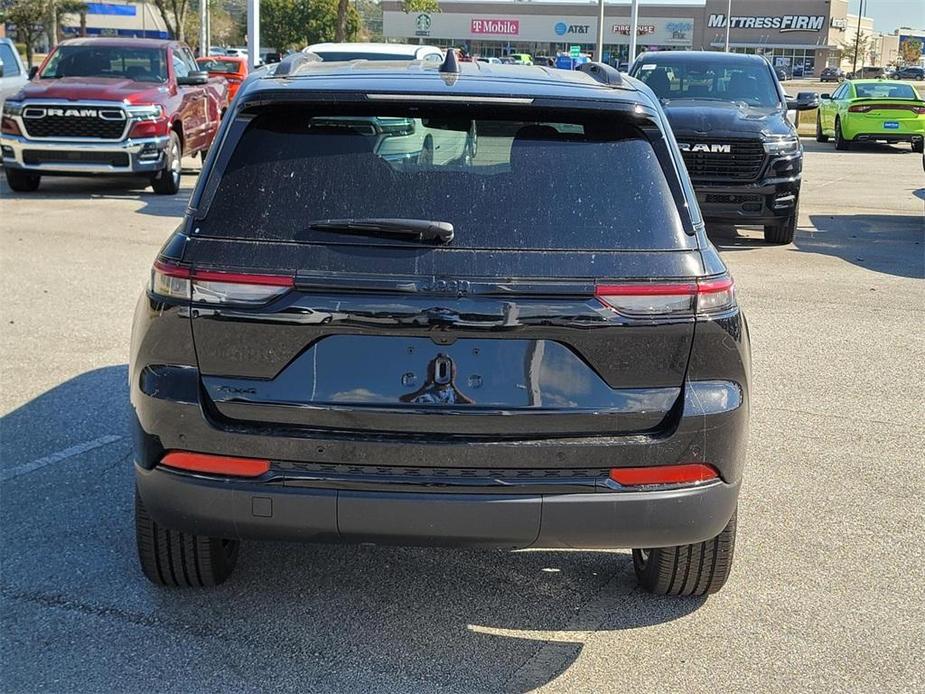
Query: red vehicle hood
point(94, 89)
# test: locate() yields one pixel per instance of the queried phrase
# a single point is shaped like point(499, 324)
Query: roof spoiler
point(603, 73)
point(291, 63)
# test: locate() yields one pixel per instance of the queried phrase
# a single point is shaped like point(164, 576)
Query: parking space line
point(75, 450)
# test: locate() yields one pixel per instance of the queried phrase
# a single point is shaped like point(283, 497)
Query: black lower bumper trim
point(218, 507)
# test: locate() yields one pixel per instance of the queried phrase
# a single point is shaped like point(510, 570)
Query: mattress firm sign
point(783, 23)
point(462, 26)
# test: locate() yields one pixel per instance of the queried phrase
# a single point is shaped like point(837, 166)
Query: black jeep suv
point(532, 344)
point(729, 115)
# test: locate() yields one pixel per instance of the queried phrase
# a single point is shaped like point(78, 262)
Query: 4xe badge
point(707, 148)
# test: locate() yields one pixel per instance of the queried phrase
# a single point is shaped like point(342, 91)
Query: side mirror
point(33, 71)
point(196, 77)
point(825, 97)
point(805, 101)
point(1, 68)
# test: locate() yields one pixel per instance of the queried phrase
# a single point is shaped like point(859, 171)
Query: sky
point(892, 14)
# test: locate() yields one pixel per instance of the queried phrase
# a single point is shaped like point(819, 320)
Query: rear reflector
point(668, 298)
point(216, 464)
point(663, 474)
point(217, 287)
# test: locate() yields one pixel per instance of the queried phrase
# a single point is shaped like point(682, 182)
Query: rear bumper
point(68, 158)
point(888, 137)
point(765, 202)
point(221, 507)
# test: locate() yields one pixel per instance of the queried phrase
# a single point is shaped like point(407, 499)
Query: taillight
point(216, 287)
point(861, 108)
point(692, 473)
point(9, 127)
point(918, 109)
point(669, 298)
point(216, 464)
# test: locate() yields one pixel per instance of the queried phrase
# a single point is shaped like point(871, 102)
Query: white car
point(490, 61)
point(403, 139)
point(236, 52)
point(337, 52)
point(13, 75)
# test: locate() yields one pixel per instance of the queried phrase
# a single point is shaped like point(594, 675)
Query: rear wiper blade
point(419, 229)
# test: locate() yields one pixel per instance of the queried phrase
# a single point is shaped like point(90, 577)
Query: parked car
point(522, 58)
point(465, 390)
point(832, 74)
point(336, 52)
point(13, 74)
point(236, 52)
point(911, 73)
point(489, 60)
point(111, 106)
point(868, 72)
point(232, 69)
point(783, 72)
point(729, 115)
point(872, 110)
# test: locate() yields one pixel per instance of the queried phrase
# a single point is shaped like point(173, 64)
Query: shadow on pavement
point(304, 617)
point(111, 188)
point(810, 145)
point(891, 244)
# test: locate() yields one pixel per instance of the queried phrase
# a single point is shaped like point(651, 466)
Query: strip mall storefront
point(804, 34)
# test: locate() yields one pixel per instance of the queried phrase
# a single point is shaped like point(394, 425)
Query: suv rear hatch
point(562, 306)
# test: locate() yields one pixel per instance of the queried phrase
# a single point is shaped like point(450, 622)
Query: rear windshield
point(885, 90)
point(593, 183)
point(137, 64)
point(673, 79)
point(219, 65)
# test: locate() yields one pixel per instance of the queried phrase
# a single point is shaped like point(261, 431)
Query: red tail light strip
point(219, 276)
point(664, 474)
point(713, 286)
point(866, 108)
point(216, 464)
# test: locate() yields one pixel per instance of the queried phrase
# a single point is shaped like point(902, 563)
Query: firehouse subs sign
point(784, 23)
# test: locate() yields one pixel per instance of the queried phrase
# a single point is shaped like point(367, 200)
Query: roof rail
point(291, 63)
point(603, 73)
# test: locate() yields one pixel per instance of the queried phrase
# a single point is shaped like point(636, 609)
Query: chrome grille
point(50, 121)
point(743, 163)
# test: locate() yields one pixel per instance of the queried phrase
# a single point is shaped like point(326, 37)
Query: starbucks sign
point(422, 25)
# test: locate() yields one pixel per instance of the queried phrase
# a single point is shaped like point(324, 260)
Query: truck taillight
point(669, 298)
point(216, 287)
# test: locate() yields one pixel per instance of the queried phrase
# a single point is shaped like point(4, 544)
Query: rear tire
point(820, 136)
point(177, 559)
point(167, 180)
point(688, 570)
point(918, 146)
point(840, 141)
point(22, 181)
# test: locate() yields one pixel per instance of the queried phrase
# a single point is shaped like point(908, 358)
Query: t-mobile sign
point(501, 27)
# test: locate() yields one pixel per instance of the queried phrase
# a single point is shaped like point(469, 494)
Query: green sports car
point(868, 110)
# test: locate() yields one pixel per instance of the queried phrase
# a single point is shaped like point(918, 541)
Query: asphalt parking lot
point(827, 590)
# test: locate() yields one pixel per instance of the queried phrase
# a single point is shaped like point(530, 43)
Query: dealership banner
point(511, 27)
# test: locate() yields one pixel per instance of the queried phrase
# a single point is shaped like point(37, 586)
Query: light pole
point(253, 32)
point(203, 29)
point(600, 31)
point(728, 23)
point(857, 39)
point(634, 31)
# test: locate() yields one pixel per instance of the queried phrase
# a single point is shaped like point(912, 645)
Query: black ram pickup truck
point(728, 113)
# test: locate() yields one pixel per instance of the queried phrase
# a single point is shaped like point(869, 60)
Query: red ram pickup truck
point(111, 106)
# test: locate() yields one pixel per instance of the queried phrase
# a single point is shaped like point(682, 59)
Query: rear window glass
point(219, 65)
point(885, 90)
point(533, 184)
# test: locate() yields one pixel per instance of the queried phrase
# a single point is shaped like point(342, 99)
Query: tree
point(854, 50)
point(28, 16)
point(67, 7)
point(286, 24)
point(174, 14)
point(910, 51)
point(431, 6)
